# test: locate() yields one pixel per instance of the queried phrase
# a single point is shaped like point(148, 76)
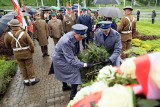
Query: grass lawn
point(146, 28)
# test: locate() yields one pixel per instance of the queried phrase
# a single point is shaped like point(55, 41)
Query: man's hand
point(87, 65)
point(107, 62)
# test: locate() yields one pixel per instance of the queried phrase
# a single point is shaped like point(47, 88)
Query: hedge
point(7, 71)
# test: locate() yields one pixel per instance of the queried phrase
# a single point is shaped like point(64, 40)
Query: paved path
point(47, 93)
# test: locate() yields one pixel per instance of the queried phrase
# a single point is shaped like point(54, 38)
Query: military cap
point(84, 9)
point(105, 24)
point(89, 9)
point(53, 14)
point(80, 29)
point(14, 23)
point(128, 7)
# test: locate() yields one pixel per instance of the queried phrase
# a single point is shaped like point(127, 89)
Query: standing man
point(138, 14)
point(127, 29)
point(55, 28)
point(23, 49)
point(40, 30)
point(69, 20)
point(85, 20)
point(66, 65)
point(111, 40)
point(153, 16)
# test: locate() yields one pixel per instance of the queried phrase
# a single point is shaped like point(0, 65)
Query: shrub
point(7, 71)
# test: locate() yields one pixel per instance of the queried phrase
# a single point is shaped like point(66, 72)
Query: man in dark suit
point(85, 19)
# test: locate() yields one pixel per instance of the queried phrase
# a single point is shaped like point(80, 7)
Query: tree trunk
point(155, 4)
point(149, 3)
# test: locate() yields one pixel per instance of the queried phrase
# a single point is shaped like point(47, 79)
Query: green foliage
point(93, 55)
point(136, 42)
point(147, 103)
point(145, 28)
point(7, 70)
point(155, 44)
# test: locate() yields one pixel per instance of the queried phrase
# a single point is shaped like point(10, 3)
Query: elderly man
point(40, 30)
point(127, 29)
point(111, 40)
point(23, 49)
point(55, 28)
point(66, 65)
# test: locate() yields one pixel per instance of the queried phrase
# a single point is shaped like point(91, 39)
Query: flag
point(27, 19)
point(148, 74)
point(19, 15)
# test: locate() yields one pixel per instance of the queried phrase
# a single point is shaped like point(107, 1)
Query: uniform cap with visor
point(105, 25)
point(128, 7)
point(80, 29)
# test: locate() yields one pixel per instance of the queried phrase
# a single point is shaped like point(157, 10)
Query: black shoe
point(35, 82)
point(67, 88)
point(43, 55)
point(47, 55)
point(26, 83)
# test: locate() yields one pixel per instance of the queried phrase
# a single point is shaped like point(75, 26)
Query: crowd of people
point(67, 29)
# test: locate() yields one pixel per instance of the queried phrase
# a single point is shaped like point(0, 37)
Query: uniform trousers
point(44, 50)
point(55, 40)
point(26, 67)
point(126, 45)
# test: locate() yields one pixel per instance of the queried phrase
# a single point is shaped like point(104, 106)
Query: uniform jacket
point(153, 15)
point(24, 41)
point(68, 22)
point(85, 20)
point(124, 26)
point(55, 28)
point(112, 43)
point(66, 65)
point(40, 29)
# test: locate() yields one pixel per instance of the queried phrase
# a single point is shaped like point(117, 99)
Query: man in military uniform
point(127, 29)
point(60, 15)
point(23, 49)
point(69, 20)
point(40, 30)
point(111, 40)
point(153, 16)
point(66, 65)
point(85, 20)
point(55, 28)
point(138, 14)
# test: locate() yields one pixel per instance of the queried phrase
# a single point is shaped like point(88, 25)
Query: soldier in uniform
point(23, 49)
point(138, 14)
point(40, 30)
point(66, 65)
point(55, 28)
point(85, 20)
point(127, 29)
point(60, 15)
point(153, 16)
point(111, 40)
point(69, 20)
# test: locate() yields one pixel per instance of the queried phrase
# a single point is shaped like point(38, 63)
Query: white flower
point(106, 72)
point(117, 96)
point(128, 68)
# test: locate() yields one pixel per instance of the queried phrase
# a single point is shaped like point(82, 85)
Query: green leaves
point(93, 55)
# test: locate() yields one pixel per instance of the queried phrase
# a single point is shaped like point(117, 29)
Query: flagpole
point(42, 2)
point(58, 3)
point(37, 3)
point(78, 9)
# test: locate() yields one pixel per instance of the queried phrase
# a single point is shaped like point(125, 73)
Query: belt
point(125, 32)
point(23, 48)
